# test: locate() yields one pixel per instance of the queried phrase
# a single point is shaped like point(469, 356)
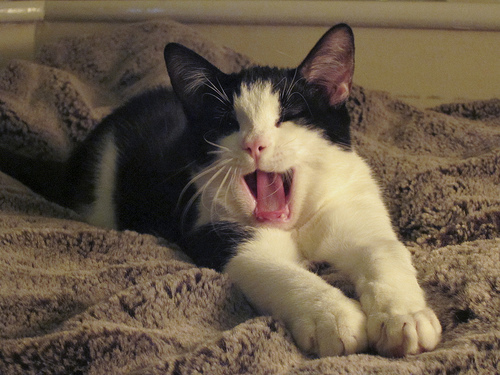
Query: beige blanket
point(76, 299)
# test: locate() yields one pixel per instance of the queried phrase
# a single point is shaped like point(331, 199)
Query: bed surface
point(79, 299)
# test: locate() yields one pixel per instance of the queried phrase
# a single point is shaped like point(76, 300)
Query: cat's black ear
point(330, 64)
point(189, 73)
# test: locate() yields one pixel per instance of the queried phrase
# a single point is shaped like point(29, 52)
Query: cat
point(253, 174)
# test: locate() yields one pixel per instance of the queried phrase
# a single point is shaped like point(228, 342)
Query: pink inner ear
point(336, 79)
point(340, 93)
point(330, 64)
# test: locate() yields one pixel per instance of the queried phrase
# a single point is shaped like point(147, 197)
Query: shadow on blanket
point(79, 299)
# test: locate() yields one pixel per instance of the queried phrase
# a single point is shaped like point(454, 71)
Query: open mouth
point(271, 192)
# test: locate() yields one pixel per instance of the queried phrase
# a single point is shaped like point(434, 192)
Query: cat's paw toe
point(332, 332)
point(341, 335)
point(400, 335)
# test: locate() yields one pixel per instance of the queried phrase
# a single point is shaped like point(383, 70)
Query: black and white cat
point(253, 173)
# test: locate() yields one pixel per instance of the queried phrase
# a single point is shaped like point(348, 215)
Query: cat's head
point(261, 137)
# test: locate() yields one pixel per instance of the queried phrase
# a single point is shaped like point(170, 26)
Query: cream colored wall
point(425, 67)
point(17, 40)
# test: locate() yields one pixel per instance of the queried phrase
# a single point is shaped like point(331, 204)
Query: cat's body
point(253, 173)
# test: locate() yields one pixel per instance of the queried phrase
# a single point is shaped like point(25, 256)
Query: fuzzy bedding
point(76, 299)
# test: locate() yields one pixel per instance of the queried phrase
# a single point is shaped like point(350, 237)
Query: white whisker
point(293, 83)
point(222, 96)
point(217, 145)
point(216, 196)
point(204, 188)
point(216, 97)
point(287, 143)
point(196, 177)
point(216, 152)
point(303, 98)
point(283, 79)
point(201, 190)
point(274, 192)
point(235, 176)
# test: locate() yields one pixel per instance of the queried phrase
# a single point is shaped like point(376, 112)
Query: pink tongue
point(271, 201)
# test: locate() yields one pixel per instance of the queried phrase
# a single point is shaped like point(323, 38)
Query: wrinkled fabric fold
point(80, 299)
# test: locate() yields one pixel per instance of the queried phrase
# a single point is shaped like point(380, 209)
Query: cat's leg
point(399, 320)
point(365, 248)
point(268, 268)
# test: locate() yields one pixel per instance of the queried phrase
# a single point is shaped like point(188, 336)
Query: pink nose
point(254, 148)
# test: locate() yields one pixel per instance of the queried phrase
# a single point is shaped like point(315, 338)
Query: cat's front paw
point(331, 328)
point(399, 335)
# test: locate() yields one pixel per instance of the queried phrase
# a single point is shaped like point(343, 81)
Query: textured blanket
point(76, 299)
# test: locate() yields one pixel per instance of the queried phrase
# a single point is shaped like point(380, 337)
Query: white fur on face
point(318, 166)
point(257, 110)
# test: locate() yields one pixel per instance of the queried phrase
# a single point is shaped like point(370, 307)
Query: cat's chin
point(271, 196)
